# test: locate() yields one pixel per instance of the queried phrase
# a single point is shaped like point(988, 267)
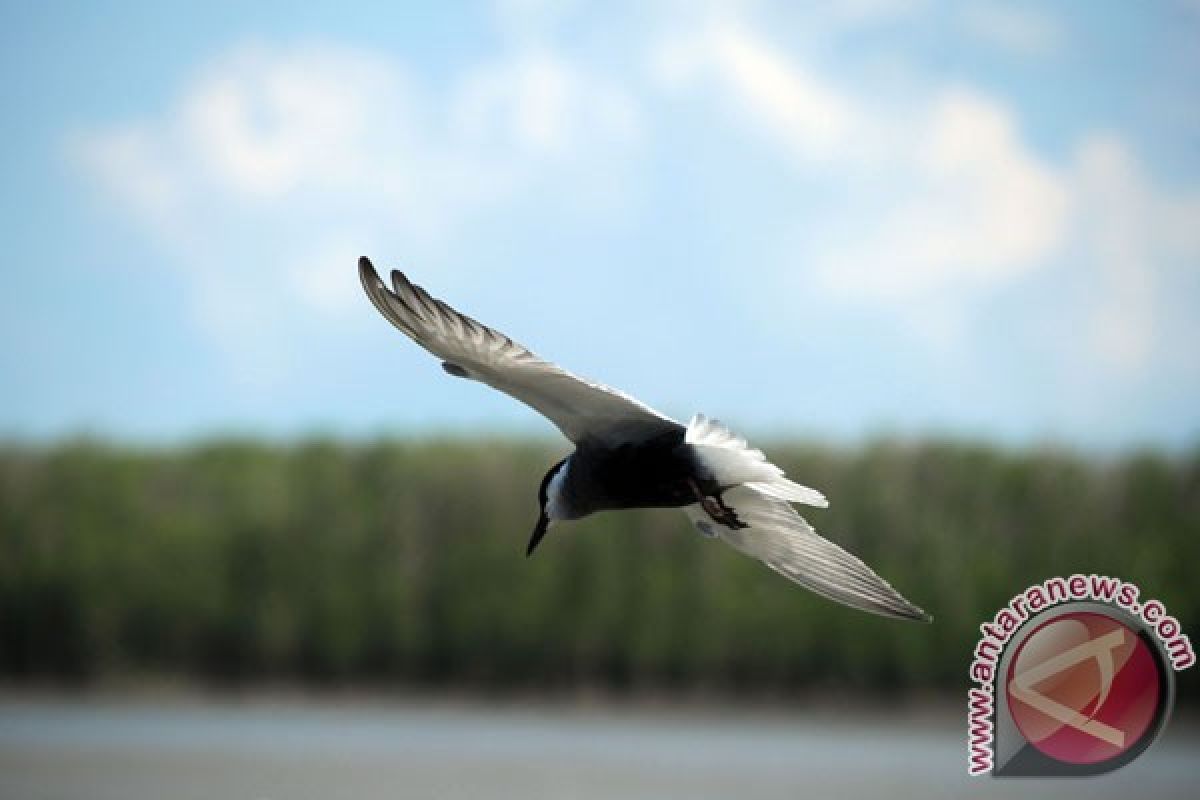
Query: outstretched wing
point(579, 408)
point(779, 537)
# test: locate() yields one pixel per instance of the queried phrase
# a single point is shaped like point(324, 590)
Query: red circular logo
point(1083, 688)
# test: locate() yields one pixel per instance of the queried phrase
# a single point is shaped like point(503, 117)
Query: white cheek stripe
point(554, 499)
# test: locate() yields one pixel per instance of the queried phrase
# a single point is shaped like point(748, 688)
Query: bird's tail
point(732, 462)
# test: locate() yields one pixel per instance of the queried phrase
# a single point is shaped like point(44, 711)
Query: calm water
point(61, 748)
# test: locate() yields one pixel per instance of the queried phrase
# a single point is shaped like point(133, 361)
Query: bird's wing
point(579, 408)
point(779, 537)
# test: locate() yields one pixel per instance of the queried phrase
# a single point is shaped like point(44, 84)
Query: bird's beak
point(543, 524)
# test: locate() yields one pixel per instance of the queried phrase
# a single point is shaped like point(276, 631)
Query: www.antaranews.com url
point(1040, 596)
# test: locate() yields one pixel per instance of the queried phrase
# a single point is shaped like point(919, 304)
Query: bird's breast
point(653, 474)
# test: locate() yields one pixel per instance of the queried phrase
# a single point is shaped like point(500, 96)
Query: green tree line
point(402, 562)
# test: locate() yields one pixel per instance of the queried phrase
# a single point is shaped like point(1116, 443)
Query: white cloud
point(263, 123)
point(811, 118)
point(958, 202)
point(266, 122)
point(973, 208)
point(1132, 233)
point(952, 205)
point(1023, 30)
point(866, 11)
point(128, 162)
point(276, 166)
point(539, 103)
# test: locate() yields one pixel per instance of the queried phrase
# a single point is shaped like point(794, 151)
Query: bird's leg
point(708, 502)
point(715, 507)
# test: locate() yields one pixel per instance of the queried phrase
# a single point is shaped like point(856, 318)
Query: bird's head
point(551, 503)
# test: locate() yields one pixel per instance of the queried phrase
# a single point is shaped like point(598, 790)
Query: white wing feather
point(579, 408)
point(780, 538)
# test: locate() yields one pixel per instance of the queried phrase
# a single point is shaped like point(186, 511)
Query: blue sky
point(837, 220)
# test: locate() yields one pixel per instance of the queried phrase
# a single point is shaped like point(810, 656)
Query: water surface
point(54, 747)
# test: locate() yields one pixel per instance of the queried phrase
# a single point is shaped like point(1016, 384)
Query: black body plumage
point(661, 472)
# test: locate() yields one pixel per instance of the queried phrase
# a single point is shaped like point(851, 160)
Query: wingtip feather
point(367, 273)
point(400, 282)
point(910, 612)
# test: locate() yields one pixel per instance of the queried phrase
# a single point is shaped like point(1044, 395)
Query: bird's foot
point(715, 507)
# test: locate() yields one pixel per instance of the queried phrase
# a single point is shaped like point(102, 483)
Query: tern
point(627, 455)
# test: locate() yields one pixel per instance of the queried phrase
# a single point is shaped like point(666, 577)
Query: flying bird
point(627, 455)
